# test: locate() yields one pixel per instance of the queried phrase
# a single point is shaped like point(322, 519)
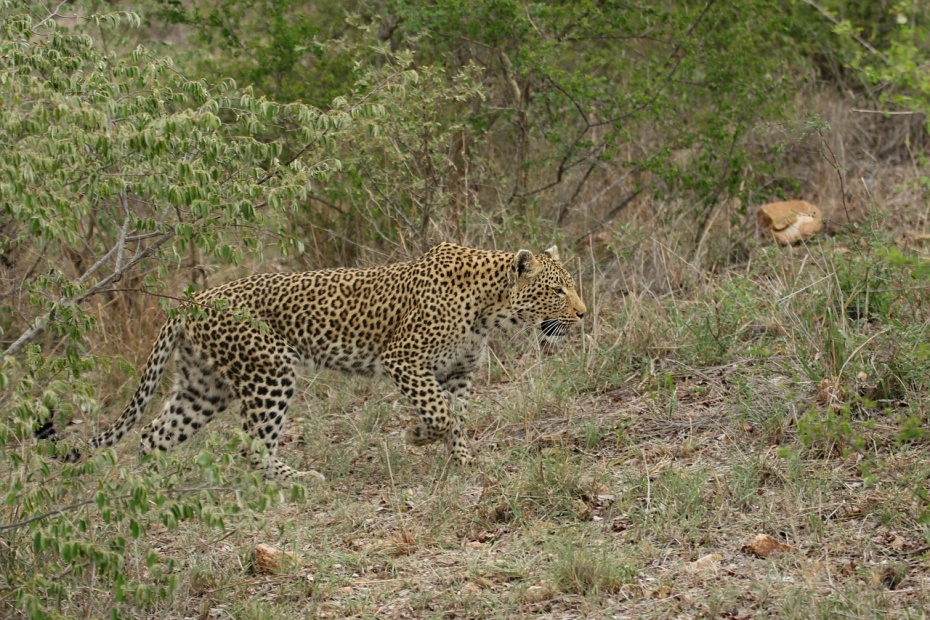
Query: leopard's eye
point(559, 290)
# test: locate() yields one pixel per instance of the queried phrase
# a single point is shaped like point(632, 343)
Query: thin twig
point(837, 167)
point(264, 580)
point(123, 231)
point(51, 15)
point(610, 216)
point(889, 112)
point(144, 291)
point(400, 517)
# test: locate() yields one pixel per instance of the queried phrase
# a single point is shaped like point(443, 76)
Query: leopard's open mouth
point(553, 328)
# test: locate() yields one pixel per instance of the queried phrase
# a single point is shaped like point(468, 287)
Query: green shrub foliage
point(114, 169)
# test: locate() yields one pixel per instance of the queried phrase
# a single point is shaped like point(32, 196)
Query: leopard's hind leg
point(198, 395)
point(262, 374)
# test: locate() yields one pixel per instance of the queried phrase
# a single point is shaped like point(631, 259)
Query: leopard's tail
point(152, 373)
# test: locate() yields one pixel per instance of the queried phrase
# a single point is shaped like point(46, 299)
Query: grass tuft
point(590, 572)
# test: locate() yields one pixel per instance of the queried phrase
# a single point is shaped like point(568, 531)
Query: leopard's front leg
point(437, 421)
point(457, 389)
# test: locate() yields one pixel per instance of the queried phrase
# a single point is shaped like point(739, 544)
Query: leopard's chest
point(463, 357)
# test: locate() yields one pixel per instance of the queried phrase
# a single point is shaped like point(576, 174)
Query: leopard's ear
point(553, 253)
point(525, 264)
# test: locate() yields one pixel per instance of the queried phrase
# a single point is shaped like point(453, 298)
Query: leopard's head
point(544, 293)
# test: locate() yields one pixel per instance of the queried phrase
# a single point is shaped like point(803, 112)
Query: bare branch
point(39, 325)
point(610, 216)
point(52, 15)
point(671, 66)
point(837, 22)
point(889, 112)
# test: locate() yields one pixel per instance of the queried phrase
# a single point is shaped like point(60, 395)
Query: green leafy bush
point(114, 167)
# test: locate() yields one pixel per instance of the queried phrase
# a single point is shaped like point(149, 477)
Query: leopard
point(424, 324)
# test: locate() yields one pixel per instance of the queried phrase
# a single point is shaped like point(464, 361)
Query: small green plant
point(551, 484)
point(678, 503)
point(913, 429)
point(718, 325)
point(663, 396)
point(579, 569)
point(745, 481)
point(254, 610)
point(594, 434)
point(829, 432)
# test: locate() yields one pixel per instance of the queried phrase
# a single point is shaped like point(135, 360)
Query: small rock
point(790, 221)
point(764, 545)
point(269, 559)
point(541, 592)
point(582, 510)
point(710, 563)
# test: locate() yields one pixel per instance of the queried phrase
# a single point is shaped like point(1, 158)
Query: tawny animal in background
point(790, 221)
